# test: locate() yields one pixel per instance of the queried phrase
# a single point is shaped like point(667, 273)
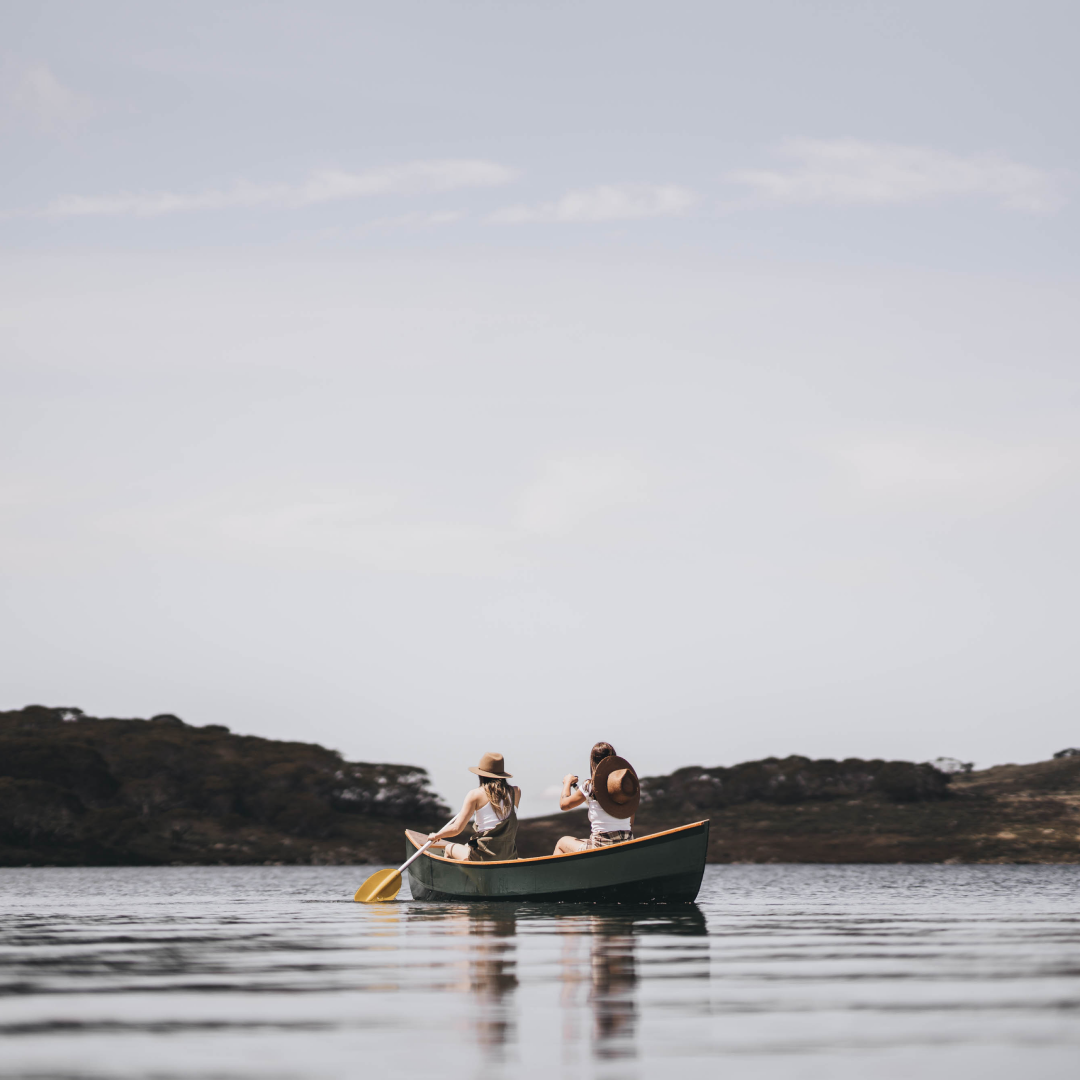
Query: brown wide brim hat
point(492, 765)
point(615, 787)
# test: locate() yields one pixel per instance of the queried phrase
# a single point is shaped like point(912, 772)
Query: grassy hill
point(78, 790)
point(798, 810)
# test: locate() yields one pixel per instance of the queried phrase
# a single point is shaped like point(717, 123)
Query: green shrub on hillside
point(791, 780)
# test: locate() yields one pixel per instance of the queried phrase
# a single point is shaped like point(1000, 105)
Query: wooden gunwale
point(419, 839)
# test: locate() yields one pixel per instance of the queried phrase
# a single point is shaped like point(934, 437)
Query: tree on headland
point(79, 789)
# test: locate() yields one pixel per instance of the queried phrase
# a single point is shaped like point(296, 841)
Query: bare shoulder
point(517, 796)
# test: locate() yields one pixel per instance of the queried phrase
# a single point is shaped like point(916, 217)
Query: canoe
point(664, 867)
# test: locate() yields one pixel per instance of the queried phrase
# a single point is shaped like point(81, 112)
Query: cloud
point(330, 185)
point(529, 612)
point(608, 202)
point(420, 219)
point(377, 526)
point(570, 491)
point(925, 468)
point(845, 172)
point(35, 95)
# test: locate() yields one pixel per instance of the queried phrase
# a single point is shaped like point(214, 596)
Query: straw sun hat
point(615, 787)
point(492, 765)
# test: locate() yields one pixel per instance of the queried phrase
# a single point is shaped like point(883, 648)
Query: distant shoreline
point(83, 791)
point(1004, 814)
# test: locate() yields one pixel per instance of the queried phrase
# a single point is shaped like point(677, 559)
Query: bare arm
point(569, 799)
point(468, 808)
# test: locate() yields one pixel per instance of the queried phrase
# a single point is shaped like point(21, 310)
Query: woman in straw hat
point(612, 794)
point(492, 808)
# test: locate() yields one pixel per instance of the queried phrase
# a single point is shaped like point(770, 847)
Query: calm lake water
point(778, 972)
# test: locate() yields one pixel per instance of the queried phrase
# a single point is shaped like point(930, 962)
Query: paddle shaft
point(416, 855)
point(412, 858)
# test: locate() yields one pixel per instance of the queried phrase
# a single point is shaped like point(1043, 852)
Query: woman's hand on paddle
point(468, 808)
point(570, 798)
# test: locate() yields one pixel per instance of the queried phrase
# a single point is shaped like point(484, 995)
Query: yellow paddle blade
point(382, 885)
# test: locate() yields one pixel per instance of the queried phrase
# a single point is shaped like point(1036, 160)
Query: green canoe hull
point(666, 868)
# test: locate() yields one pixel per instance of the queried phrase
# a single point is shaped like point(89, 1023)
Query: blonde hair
point(498, 792)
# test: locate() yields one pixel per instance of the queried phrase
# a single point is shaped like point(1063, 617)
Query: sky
point(424, 379)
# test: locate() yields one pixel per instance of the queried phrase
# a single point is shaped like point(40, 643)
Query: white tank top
point(486, 817)
point(599, 819)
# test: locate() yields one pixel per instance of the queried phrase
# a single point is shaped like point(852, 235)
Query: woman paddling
point(612, 793)
point(491, 805)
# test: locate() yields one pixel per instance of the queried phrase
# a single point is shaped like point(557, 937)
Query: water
point(786, 972)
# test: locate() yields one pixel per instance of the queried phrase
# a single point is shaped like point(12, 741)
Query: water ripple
point(778, 972)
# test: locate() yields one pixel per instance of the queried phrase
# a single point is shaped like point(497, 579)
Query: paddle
point(384, 884)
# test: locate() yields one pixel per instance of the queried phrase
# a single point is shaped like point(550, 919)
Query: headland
point(77, 790)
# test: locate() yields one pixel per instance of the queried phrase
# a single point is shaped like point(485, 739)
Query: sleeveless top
point(496, 837)
point(600, 821)
point(486, 818)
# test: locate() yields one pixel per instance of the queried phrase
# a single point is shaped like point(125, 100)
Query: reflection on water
point(493, 975)
point(597, 968)
point(819, 973)
point(597, 971)
point(614, 977)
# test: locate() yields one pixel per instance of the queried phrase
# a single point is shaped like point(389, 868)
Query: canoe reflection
point(609, 980)
point(613, 971)
point(493, 975)
point(598, 968)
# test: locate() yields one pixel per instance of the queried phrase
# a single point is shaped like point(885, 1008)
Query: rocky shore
point(79, 790)
point(798, 810)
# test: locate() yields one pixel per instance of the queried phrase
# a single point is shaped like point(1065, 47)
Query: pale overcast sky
point(431, 378)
